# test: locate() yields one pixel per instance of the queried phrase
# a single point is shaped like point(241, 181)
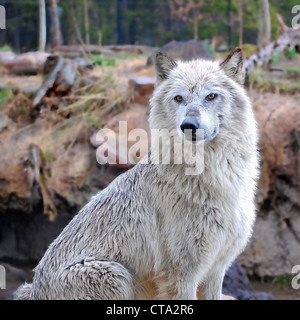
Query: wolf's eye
point(178, 98)
point(211, 96)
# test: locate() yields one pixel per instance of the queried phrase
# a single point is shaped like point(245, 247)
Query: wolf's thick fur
point(156, 232)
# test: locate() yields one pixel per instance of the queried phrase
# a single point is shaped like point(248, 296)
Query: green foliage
point(208, 47)
point(280, 280)
point(291, 54)
point(6, 48)
point(294, 71)
point(266, 81)
point(249, 49)
point(49, 156)
point(93, 121)
point(127, 56)
point(4, 94)
point(103, 61)
point(275, 58)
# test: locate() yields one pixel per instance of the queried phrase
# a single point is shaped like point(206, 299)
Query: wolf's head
point(203, 96)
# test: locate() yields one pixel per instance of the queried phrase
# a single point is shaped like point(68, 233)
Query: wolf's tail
point(23, 292)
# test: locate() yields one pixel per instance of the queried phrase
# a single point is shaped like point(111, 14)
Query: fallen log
point(289, 39)
point(75, 51)
point(29, 63)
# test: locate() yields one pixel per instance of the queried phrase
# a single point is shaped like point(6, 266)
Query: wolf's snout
point(191, 124)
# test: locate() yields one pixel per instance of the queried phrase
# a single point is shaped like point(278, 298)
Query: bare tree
point(264, 23)
point(188, 10)
point(75, 22)
point(42, 27)
point(267, 22)
point(57, 38)
point(86, 22)
point(119, 21)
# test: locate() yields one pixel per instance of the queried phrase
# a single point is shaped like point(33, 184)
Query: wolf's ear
point(163, 65)
point(233, 65)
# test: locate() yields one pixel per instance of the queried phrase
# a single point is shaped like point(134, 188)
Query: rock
point(275, 245)
point(237, 285)
point(142, 88)
point(183, 50)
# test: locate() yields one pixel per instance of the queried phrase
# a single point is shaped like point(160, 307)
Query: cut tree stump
point(59, 80)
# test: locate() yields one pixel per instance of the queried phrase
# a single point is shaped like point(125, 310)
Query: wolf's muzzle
point(190, 124)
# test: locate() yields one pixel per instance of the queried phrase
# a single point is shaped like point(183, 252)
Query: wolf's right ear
point(233, 65)
point(163, 65)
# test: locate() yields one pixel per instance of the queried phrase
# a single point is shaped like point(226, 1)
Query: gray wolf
point(156, 232)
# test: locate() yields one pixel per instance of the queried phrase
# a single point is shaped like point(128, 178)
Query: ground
point(280, 291)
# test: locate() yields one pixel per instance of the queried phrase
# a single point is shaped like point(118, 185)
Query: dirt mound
point(275, 245)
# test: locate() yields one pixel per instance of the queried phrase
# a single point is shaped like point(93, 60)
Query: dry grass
point(279, 82)
point(95, 97)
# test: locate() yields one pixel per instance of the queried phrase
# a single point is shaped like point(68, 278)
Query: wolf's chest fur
point(208, 207)
point(201, 221)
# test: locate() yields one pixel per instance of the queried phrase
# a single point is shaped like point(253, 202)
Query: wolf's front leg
point(175, 287)
point(212, 286)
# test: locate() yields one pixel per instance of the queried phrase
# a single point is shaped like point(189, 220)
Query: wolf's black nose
point(191, 124)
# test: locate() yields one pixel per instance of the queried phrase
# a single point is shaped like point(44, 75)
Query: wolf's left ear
point(233, 65)
point(163, 65)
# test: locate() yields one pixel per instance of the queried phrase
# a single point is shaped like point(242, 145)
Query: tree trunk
point(267, 23)
point(57, 38)
point(260, 27)
point(240, 10)
point(42, 29)
point(119, 22)
point(86, 22)
point(132, 27)
point(195, 23)
point(75, 23)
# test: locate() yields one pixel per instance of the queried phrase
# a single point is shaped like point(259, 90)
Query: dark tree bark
point(86, 22)
point(119, 22)
point(132, 7)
